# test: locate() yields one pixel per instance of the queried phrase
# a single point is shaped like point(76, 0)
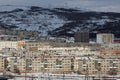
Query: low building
point(107, 62)
point(99, 66)
point(9, 38)
point(14, 35)
point(8, 44)
point(50, 64)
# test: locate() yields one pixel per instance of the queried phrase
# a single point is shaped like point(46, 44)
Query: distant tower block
point(105, 38)
point(82, 37)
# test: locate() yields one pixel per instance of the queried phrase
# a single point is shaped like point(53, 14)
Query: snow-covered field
point(49, 76)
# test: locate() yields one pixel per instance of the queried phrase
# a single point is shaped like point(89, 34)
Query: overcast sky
point(96, 5)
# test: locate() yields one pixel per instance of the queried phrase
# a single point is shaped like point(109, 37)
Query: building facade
point(105, 38)
point(13, 35)
point(82, 37)
point(8, 44)
point(2, 64)
point(106, 66)
point(49, 64)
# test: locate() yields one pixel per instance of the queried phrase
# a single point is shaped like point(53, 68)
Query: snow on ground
point(33, 21)
point(100, 21)
point(49, 76)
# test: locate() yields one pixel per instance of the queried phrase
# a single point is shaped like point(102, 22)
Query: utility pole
point(25, 56)
point(63, 76)
point(49, 77)
point(86, 69)
point(25, 68)
point(87, 74)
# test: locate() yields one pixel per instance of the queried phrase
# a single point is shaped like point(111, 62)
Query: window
point(45, 66)
point(58, 62)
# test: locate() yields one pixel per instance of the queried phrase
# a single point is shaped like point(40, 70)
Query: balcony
point(84, 65)
point(112, 67)
point(58, 66)
point(99, 61)
point(114, 61)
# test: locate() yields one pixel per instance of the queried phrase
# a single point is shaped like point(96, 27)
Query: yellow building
point(52, 64)
point(99, 66)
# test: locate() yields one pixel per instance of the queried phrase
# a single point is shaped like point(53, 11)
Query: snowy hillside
point(32, 19)
point(59, 21)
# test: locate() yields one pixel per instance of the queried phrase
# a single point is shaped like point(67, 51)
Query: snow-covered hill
point(59, 21)
point(33, 19)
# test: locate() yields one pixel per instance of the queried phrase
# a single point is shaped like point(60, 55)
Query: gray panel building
point(82, 37)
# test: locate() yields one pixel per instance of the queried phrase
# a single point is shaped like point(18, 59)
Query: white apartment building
point(105, 38)
point(69, 50)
